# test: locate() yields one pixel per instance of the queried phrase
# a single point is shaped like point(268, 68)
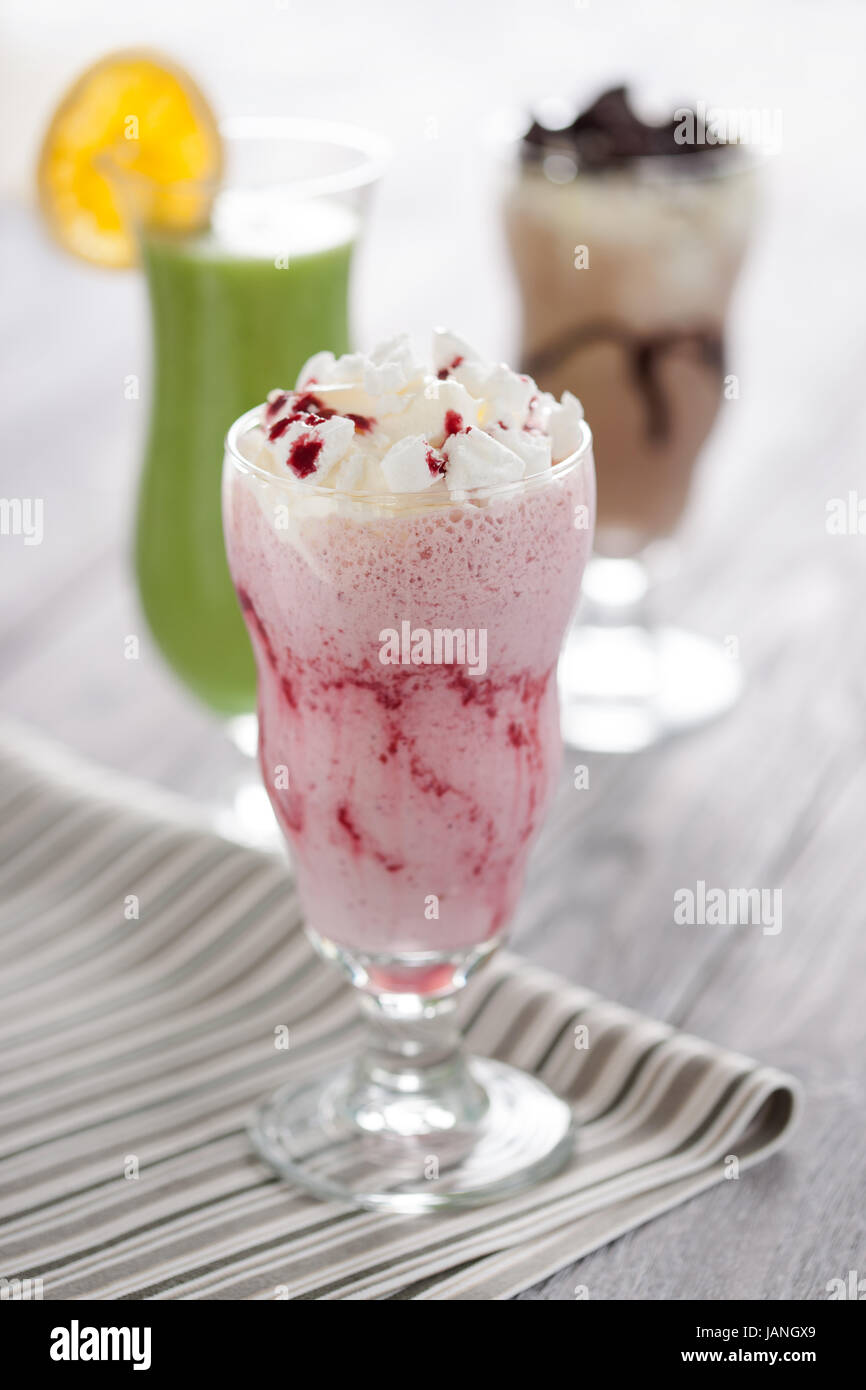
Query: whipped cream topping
point(384, 423)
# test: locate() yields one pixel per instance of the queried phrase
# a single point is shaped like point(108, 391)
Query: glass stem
point(616, 593)
point(412, 1076)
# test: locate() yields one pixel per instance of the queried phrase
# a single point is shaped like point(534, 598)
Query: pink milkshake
point(407, 543)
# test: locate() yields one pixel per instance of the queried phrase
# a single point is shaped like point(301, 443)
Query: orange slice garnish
point(134, 122)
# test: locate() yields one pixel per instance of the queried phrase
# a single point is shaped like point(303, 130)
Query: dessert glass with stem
point(257, 280)
point(625, 276)
point(410, 795)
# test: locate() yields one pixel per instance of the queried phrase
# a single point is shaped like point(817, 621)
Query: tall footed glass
point(625, 279)
point(247, 275)
point(406, 649)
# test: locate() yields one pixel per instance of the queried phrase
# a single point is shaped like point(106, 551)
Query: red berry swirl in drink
point(406, 638)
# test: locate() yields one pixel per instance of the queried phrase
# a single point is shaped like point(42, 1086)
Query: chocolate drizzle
point(645, 352)
point(609, 135)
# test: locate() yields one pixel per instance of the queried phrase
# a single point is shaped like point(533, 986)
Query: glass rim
point(719, 162)
point(397, 501)
point(373, 151)
point(504, 137)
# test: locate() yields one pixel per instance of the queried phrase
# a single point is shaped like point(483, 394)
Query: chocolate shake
point(627, 240)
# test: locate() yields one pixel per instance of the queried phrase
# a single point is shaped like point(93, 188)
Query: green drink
point(226, 328)
point(237, 307)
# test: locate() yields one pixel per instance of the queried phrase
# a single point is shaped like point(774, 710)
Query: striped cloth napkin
point(145, 966)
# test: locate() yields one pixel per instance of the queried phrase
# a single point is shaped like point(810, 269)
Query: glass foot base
point(404, 1155)
point(623, 688)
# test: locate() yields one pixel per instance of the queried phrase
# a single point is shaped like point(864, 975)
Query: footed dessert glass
point(626, 248)
point(410, 793)
point(258, 279)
